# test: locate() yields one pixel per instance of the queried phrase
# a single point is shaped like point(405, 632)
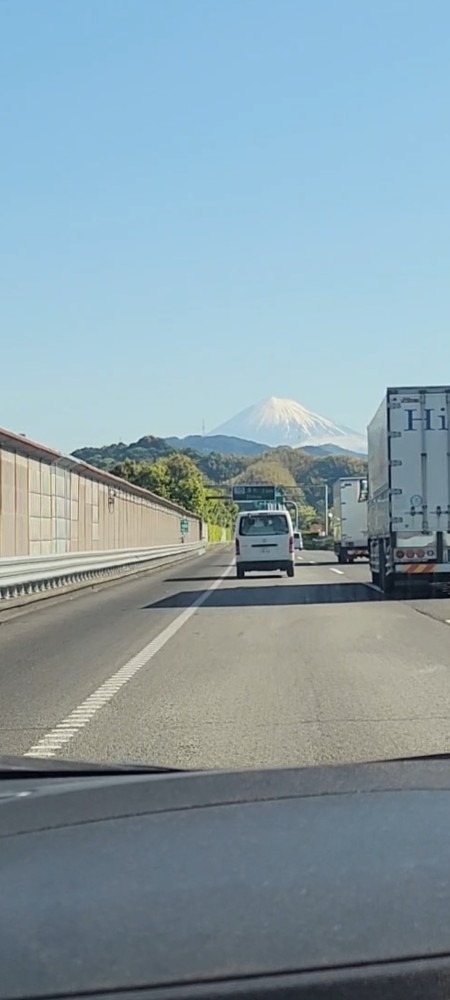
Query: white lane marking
point(83, 713)
point(334, 570)
point(312, 562)
point(447, 621)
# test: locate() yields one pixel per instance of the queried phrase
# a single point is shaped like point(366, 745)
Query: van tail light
point(238, 548)
point(291, 544)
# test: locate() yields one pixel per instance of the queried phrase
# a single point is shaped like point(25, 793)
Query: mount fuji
point(276, 422)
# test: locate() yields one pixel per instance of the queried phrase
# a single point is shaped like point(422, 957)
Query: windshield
point(268, 524)
point(225, 318)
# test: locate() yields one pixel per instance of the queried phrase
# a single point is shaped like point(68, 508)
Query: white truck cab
point(350, 519)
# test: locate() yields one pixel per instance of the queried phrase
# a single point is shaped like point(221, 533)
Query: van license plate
point(264, 549)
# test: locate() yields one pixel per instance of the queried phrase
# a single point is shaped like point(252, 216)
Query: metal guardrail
point(23, 577)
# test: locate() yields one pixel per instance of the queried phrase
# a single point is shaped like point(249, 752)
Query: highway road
point(190, 667)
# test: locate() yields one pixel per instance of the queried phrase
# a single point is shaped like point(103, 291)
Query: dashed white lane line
point(83, 713)
point(335, 570)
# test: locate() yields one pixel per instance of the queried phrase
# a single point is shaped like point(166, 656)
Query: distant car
point(298, 541)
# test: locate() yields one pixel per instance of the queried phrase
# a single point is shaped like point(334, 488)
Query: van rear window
point(264, 524)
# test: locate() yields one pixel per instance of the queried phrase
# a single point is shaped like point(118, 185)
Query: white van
point(264, 540)
point(298, 541)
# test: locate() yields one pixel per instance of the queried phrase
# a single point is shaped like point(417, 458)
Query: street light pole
point(294, 504)
point(316, 486)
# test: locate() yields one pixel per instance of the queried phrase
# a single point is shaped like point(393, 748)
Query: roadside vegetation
point(196, 480)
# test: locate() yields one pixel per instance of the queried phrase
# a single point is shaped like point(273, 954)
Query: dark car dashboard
point(328, 882)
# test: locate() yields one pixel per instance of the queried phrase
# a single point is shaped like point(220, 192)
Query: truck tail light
point(411, 554)
point(291, 544)
point(237, 547)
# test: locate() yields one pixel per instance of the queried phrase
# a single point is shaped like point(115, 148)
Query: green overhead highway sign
point(256, 495)
point(255, 491)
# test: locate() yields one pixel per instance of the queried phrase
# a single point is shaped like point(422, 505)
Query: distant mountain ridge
point(220, 443)
point(149, 448)
point(224, 445)
point(330, 449)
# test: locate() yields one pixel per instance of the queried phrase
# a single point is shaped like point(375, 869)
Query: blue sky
point(206, 202)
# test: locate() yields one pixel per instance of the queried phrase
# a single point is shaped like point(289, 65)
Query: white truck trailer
point(350, 519)
point(409, 487)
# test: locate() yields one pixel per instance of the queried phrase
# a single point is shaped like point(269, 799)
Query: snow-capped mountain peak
point(277, 422)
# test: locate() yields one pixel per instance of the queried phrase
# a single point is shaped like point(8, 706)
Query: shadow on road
point(275, 597)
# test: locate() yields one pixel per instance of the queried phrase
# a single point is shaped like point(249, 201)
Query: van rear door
point(264, 536)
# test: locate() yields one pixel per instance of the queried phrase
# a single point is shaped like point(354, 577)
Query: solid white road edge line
point(83, 713)
point(333, 570)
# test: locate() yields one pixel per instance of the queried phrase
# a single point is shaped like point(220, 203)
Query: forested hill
point(288, 467)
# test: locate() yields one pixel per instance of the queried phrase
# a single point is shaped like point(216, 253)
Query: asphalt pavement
point(191, 667)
